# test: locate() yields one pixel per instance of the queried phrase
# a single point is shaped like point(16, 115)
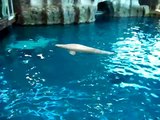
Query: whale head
point(59, 45)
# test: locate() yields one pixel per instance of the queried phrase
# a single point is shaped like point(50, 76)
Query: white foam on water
point(154, 95)
point(136, 86)
point(41, 56)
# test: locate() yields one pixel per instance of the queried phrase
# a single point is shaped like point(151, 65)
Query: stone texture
point(125, 8)
point(32, 12)
point(54, 15)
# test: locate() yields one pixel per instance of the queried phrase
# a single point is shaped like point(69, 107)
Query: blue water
point(47, 83)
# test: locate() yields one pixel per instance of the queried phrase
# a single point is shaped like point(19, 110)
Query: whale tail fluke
point(108, 53)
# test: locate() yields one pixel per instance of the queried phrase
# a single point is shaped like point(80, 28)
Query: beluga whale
point(74, 48)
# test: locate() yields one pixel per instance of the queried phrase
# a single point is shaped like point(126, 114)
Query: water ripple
point(138, 54)
point(42, 101)
point(49, 84)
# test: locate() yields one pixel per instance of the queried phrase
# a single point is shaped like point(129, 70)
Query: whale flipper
point(72, 52)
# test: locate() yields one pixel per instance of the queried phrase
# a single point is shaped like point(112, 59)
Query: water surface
point(47, 83)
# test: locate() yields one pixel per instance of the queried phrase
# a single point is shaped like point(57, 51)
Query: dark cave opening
point(105, 8)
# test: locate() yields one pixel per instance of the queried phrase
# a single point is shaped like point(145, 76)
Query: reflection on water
point(47, 102)
point(49, 84)
point(137, 54)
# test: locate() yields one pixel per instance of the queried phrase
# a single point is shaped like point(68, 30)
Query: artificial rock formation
point(31, 12)
point(129, 8)
point(54, 11)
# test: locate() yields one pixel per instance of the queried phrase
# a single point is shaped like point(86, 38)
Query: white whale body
point(73, 48)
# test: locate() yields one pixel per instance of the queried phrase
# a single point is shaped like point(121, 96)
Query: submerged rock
point(30, 44)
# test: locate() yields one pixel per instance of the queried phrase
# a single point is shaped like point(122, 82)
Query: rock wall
point(32, 12)
point(129, 8)
point(138, 8)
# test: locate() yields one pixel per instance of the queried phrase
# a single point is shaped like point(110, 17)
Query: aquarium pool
point(42, 82)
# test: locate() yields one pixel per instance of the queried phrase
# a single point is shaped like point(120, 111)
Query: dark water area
point(43, 82)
